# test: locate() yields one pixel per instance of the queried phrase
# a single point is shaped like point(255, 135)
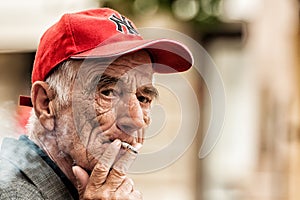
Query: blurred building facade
point(255, 45)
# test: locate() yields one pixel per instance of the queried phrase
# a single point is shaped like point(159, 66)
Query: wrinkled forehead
point(135, 65)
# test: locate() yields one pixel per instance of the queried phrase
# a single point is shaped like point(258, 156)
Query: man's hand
point(105, 183)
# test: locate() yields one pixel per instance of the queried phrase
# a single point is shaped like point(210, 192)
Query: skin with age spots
point(112, 103)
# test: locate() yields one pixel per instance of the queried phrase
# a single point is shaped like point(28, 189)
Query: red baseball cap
point(99, 33)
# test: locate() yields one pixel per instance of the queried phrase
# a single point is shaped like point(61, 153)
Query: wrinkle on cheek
point(83, 111)
point(105, 113)
point(103, 106)
point(85, 133)
point(102, 110)
point(96, 148)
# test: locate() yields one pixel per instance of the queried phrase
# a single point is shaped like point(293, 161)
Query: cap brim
point(168, 56)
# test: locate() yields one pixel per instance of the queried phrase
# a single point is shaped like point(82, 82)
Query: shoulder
point(15, 185)
point(25, 175)
point(19, 189)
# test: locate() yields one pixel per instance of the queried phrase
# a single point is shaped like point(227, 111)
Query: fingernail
point(138, 146)
point(74, 171)
point(117, 142)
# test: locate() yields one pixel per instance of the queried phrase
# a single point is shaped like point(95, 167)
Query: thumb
point(82, 178)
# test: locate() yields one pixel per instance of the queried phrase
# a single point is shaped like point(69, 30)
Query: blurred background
point(254, 44)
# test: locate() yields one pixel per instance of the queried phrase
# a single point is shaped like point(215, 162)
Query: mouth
point(125, 147)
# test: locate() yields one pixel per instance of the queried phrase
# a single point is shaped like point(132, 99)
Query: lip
point(112, 133)
point(128, 140)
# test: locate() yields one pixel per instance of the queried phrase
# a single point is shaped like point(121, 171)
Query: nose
point(130, 114)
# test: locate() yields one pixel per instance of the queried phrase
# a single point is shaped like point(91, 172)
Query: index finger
point(105, 162)
point(123, 164)
point(121, 167)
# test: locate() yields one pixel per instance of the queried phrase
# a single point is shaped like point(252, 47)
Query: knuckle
point(100, 167)
point(136, 195)
point(110, 152)
point(105, 195)
point(120, 196)
point(118, 173)
point(117, 196)
point(88, 196)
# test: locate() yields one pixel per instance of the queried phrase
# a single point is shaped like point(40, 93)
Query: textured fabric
point(25, 175)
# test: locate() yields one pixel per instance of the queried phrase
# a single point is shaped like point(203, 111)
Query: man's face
point(109, 102)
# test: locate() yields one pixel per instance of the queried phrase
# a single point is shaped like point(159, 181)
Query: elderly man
point(91, 96)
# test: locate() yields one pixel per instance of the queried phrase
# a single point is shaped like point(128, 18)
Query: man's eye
point(143, 99)
point(108, 92)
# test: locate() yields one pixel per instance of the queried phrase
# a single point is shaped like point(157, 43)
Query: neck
point(48, 143)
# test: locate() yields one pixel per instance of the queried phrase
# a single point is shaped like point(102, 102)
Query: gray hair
point(60, 81)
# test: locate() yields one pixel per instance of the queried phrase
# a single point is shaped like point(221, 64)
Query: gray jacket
point(25, 174)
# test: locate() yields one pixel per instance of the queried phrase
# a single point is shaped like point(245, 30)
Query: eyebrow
point(106, 80)
point(149, 90)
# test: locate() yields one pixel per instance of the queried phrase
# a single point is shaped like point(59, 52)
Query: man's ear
point(41, 97)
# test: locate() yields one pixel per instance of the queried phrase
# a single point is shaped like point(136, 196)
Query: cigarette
point(125, 145)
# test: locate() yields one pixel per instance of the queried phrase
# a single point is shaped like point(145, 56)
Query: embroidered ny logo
point(123, 22)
